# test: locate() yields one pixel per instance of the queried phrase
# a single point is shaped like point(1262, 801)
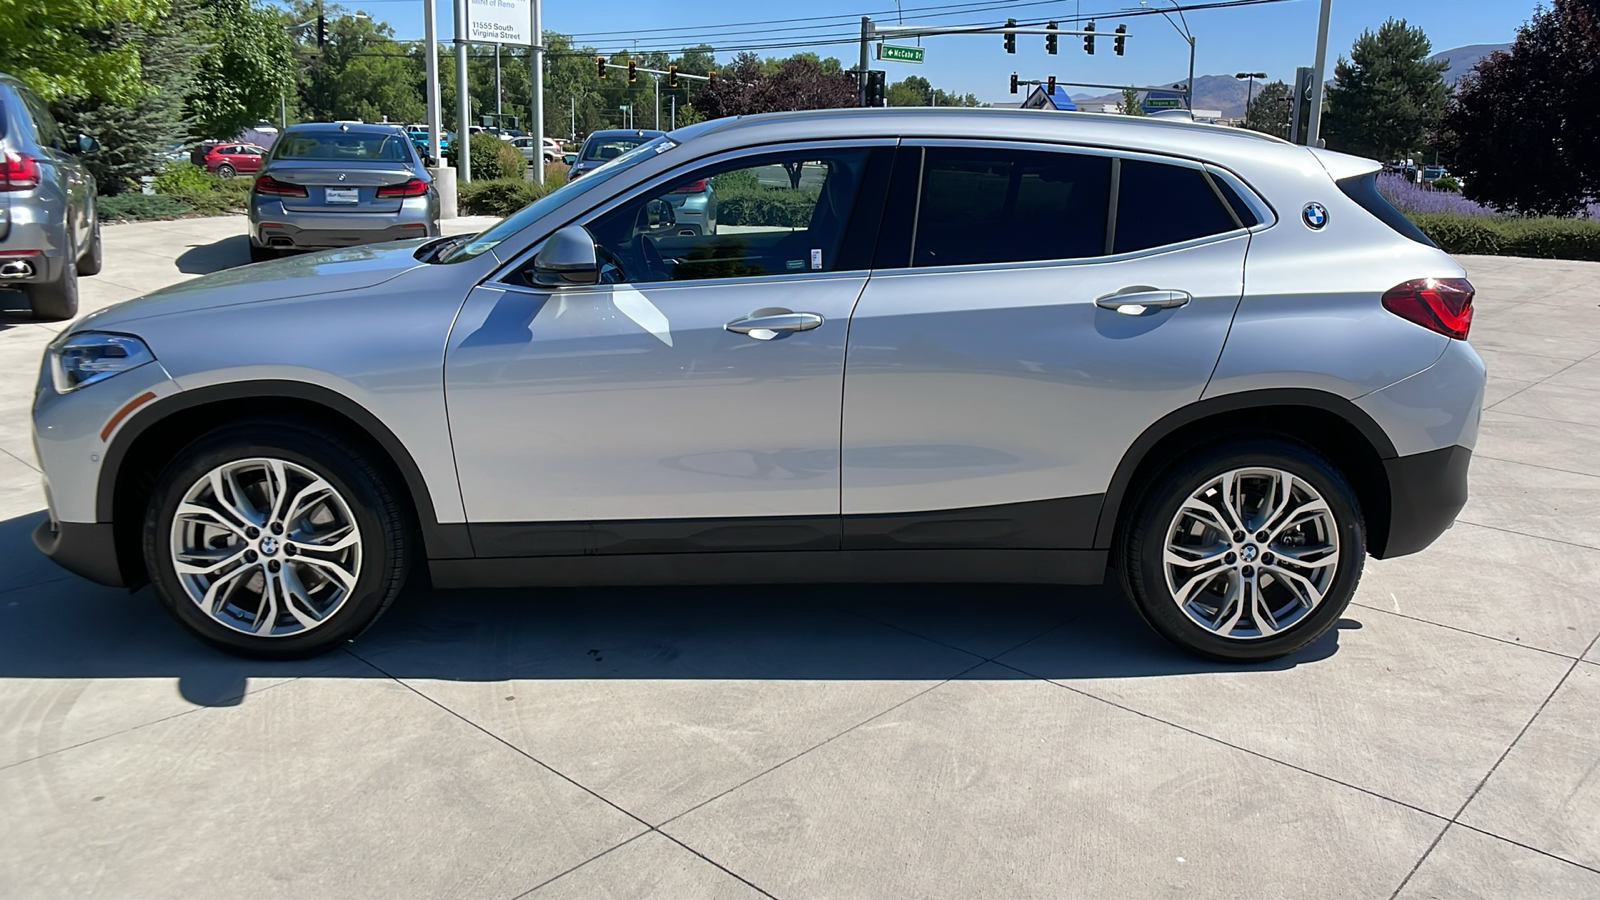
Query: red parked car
point(229, 160)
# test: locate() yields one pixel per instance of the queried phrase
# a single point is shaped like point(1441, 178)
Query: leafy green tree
point(1130, 102)
point(1532, 157)
point(913, 90)
point(246, 71)
point(134, 136)
point(1268, 111)
point(361, 72)
point(56, 46)
point(1387, 97)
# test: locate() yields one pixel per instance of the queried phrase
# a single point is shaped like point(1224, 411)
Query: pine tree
point(1387, 97)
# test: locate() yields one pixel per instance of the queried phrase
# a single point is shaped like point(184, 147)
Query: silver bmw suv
point(957, 345)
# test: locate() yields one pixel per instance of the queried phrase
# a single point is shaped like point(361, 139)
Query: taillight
point(266, 184)
point(18, 172)
point(693, 187)
point(1437, 304)
point(416, 187)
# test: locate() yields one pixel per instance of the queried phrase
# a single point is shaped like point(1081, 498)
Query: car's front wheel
point(1245, 551)
point(226, 171)
point(267, 540)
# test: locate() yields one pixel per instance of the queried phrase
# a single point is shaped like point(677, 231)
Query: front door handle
point(1136, 301)
point(766, 324)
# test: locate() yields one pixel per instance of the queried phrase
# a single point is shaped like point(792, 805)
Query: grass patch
point(140, 208)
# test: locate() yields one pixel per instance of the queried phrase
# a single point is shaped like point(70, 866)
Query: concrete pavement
point(873, 742)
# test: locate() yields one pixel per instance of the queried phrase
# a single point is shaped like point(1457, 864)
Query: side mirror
point(660, 214)
point(570, 158)
point(567, 259)
point(87, 144)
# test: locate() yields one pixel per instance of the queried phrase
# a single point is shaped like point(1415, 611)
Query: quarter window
point(1160, 204)
point(982, 205)
point(780, 214)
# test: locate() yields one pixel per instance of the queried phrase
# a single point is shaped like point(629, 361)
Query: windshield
point(342, 145)
point(536, 210)
point(610, 148)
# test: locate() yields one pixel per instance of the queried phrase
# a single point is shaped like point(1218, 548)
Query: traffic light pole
point(1314, 127)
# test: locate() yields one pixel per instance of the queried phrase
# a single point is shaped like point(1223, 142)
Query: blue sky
point(1273, 38)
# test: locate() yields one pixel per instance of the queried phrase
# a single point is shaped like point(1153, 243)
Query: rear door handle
point(766, 324)
point(1137, 301)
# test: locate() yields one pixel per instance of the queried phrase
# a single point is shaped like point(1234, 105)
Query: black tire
point(93, 257)
point(262, 254)
point(376, 508)
point(226, 171)
point(1142, 550)
point(55, 300)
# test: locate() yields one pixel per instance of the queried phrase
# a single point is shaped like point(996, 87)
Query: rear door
point(1020, 331)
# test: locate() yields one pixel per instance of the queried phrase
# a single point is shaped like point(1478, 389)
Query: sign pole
point(861, 73)
point(1314, 127)
point(536, 109)
point(463, 102)
point(431, 26)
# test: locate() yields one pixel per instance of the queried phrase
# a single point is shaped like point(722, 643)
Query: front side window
point(981, 205)
point(1160, 204)
point(777, 214)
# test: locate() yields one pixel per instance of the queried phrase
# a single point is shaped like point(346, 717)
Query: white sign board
point(499, 21)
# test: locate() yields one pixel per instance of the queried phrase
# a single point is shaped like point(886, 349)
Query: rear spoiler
point(1342, 165)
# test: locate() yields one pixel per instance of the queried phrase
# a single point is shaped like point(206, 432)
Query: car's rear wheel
point(269, 541)
point(226, 171)
point(262, 254)
point(1245, 551)
point(55, 299)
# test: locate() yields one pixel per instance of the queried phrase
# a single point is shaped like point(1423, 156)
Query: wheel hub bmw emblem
point(1249, 553)
point(269, 545)
point(1315, 216)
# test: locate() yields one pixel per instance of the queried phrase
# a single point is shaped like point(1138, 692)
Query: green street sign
point(892, 53)
point(1162, 103)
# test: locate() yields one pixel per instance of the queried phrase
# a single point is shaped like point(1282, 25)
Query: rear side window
point(982, 205)
point(1159, 204)
point(1363, 189)
point(1247, 216)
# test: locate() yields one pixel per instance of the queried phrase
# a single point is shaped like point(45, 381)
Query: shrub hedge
point(136, 207)
point(492, 158)
point(1542, 238)
point(497, 197)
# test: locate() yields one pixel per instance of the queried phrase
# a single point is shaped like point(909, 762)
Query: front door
point(1021, 335)
point(692, 399)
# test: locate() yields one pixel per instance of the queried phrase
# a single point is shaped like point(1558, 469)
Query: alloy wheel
point(266, 547)
point(1251, 553)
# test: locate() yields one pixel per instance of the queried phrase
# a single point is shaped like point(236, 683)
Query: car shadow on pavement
point(55, 625)
point(203, 259)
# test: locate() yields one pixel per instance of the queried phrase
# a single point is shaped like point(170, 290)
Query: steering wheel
point(647, 251)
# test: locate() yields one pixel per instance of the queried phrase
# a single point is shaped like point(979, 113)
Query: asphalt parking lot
point(871, 742)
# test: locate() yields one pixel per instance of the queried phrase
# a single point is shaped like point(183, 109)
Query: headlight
point(89, 356)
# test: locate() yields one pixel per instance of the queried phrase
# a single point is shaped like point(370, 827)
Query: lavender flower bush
point(1415, 198)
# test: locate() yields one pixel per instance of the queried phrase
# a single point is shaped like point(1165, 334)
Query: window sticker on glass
point(795, 264)
point(816, 257)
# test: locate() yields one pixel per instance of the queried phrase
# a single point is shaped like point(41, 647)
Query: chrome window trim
point(1116, 156)
point(496, 279)
point(748, 280)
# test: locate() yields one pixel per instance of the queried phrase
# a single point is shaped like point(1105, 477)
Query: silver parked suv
point(49, 232)
point(966, 345)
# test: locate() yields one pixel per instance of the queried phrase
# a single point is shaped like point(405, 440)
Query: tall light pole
point(463, 101)
point(430, 21)
point(1314, 127)
point(536, 62)
point(1188, 89)
point(1249, 91)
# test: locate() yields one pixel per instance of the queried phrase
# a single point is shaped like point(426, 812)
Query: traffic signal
point(1050, 86)
point(1121, 39)
point(672, 76)
point(1013, 82)
point(711, 79)
point(1050, 40)
point(633, 71)
point(322, 31)
point(600, 65)
point(1088, 39)
point(1011, 37)
point(875, 87)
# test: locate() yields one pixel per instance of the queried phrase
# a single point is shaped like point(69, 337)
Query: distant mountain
point(1462, 59)
point(1227, 93)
